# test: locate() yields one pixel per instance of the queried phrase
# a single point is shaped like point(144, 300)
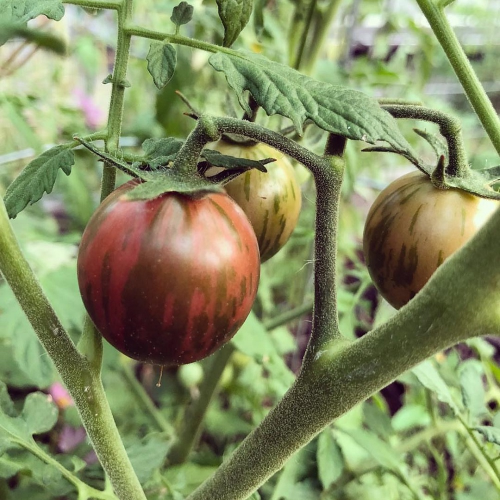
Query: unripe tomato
point(190, 375)
point(168, 280)
point(412, 227)
point(271, 200)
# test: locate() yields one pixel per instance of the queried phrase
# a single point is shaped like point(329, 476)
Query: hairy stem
point(443, 313)
point(76, 372)
point(449, 127)
point(475, 92)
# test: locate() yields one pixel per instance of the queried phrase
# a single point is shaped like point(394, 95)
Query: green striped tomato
point(169, 280)
point(412, 227)
point(271, 200)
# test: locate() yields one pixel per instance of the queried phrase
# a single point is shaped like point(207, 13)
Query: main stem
point(81, 379)
point(442, 314)
point(463, 69)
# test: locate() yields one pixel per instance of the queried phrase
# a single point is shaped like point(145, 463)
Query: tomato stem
point(83, 383)
point(442, 314)
point(434, 12)
point(449, 127)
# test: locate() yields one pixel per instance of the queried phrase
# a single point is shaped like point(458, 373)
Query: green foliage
point(234, 15)
point(280, 89)
point(162, 59)
point(37, 178)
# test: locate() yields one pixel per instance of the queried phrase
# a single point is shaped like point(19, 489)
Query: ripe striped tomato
point(271, 200)
point(412, 227)
point(168, 280)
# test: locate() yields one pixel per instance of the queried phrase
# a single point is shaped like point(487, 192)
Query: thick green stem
point(80, 378)
point(442, 314)
point(195, 413)
point(449, 126)
point(463, 68)
point(204, 132)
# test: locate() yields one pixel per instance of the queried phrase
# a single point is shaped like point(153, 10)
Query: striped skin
point(168, 281)
point(412, 227)
point(271, 200)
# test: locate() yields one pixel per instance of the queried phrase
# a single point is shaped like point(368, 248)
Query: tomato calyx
point(157, 175)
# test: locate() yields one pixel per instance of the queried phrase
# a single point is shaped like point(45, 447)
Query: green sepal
point(173, 181)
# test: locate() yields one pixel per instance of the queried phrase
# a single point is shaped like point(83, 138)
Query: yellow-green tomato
point(270, 200)
point(190, 375)
point(412, 227)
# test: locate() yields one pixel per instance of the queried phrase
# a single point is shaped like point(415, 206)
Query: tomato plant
point(271, 200)
point(412, 227)
point(168, 280)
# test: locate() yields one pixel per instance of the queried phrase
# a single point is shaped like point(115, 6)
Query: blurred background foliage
point(413, 440)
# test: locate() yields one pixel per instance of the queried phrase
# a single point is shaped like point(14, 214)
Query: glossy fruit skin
point(271, 200)
point(168, 281)
point(412, 227)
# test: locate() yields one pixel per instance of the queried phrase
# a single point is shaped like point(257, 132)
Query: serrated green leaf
point(17, 13)
point(162, 59)
point(473, 393)
point(167, 147)
point(279, 89)
point(147, 455)
point(329, 459)
point(37, 178)
point(234, 15)
point(39, 415)
point(182, 14)
point(187, 477)
point(380, 451)
point(430, 378)
point(491, 434)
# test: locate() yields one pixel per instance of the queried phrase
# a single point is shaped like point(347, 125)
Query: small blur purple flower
point(70, 438)
point(60, 395)
point(94, 115)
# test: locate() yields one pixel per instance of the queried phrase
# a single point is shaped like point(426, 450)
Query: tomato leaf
point(491, 434)
point(166, 146)
point(15, 14)
point(162, 59)
point(147, 454)
point(329, 458)
point(473, 394)
point(37, 178)
point(182, 14)
point(234, 15)
point(279, 89)
point(430, 378)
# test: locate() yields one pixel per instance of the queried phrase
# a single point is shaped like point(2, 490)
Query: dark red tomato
point(168, 280)
point(412, 227)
